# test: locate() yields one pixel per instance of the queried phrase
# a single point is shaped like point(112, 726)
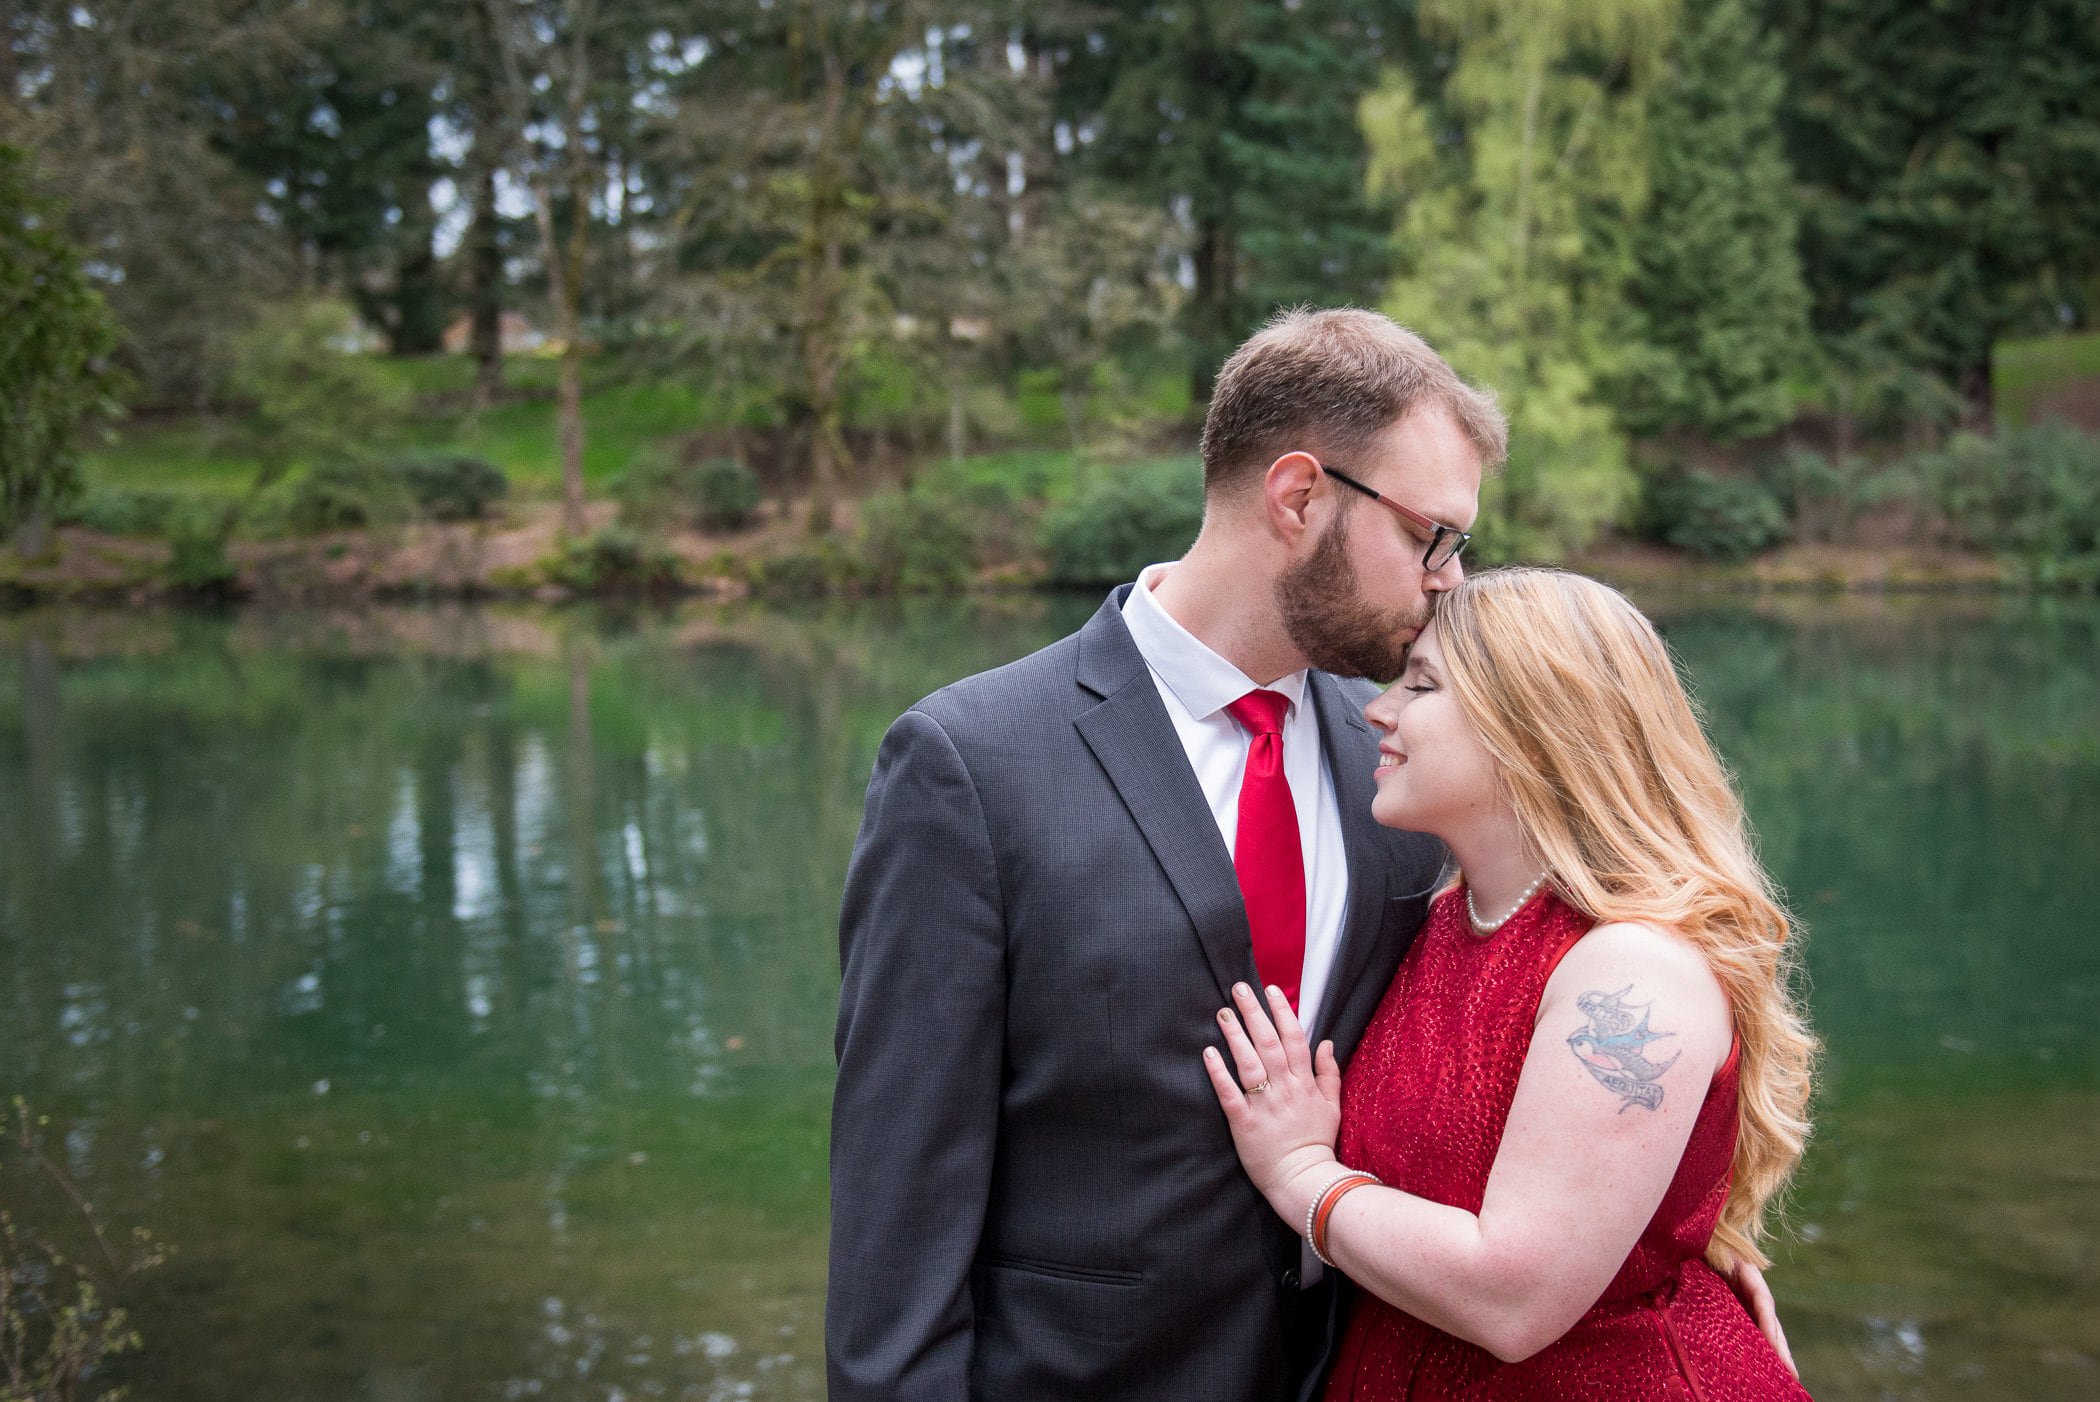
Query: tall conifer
point(1950, 153)
point(1240, 117)
point(1720, 312)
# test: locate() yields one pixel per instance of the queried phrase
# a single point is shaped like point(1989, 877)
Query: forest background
point(310, 297)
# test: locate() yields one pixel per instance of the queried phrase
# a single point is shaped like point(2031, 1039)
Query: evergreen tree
point(339, 142)
point(1951, 158)
point(1720, 310)
point(125, 104)
point(54, 342)
point(826, 153)
point(1239, 117)
point(1519, 186)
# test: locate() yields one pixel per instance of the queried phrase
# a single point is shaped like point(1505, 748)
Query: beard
point(1327, 620)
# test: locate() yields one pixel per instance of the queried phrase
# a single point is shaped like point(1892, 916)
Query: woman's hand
point(1284, 1104)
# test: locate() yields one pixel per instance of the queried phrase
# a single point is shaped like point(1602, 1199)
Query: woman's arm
point(1629, 1032)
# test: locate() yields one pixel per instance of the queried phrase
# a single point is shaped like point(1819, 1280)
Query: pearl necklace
point(1488, 927)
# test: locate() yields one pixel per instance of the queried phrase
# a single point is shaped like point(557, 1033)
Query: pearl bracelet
point(1322, 1204)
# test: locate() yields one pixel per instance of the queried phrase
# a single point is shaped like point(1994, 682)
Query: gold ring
point(1257, 1090)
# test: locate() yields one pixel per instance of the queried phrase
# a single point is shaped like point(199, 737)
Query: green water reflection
point(455, 987)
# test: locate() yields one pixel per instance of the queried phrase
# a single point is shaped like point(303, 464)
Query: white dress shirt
point(1197, 685)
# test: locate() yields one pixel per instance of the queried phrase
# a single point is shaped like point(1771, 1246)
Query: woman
point(1589, 1077)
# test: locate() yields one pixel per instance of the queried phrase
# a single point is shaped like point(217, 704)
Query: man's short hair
point(1328, 382)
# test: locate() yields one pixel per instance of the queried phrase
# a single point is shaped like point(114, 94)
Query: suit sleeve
point(922, 1010)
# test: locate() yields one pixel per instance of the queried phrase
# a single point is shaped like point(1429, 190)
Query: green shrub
point(615, 560)
point(268, 513)
point(1720, 518)
point(727, 492)
point(1130, 518)
point(648, 490)
point(809, 572)
point(451, 486)
point(658, 488)
point(56, 339)
point(1824, 496)
point(348, 493)
point(2032, 494)
point(1041, 408)
point(309, 397)
point(1002, 497)
point(122, 510)
point(915, 543)
point(1002, 521)
point(197, 562)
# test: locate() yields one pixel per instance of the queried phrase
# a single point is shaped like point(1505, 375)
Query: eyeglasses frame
point(1439, 532)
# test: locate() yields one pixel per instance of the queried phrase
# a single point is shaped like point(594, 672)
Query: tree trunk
point(1072, 399)
point(418, 326)
point(564, 258)
point(1203, 369)
point(1979, 404)
point(484, 241)
point(569, 403)
point(821, 353)
point(823, 272)
point(10, 76)
point(958, 423)
point(568, 408)
point(485, 293)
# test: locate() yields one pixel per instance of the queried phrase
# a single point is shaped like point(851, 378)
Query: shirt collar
point(1202, 681)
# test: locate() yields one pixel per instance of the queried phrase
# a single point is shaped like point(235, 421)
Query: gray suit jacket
point(1034, 1195)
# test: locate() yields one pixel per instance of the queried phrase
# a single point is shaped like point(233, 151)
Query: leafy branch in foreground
point(59, 1320)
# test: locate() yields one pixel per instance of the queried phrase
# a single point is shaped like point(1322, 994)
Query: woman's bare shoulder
point(1637, 964)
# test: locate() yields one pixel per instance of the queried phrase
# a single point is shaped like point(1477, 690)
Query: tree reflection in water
point(455, 987)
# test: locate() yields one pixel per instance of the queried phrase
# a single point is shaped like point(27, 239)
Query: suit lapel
point(1345, 736)
point(1132, 736)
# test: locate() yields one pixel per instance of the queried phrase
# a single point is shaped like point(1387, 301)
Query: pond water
point(454, 988)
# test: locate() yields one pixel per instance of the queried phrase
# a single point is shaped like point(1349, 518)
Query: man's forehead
point(1428, 463)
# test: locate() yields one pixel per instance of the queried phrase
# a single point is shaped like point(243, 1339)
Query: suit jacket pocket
point(1078, 1301)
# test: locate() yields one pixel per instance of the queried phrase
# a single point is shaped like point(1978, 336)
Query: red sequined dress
point(1423, 1106)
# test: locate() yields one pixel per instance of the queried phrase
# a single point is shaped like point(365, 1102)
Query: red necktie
point(1266, 854)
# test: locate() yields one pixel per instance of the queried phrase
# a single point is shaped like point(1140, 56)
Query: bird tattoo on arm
point(1613, 1048)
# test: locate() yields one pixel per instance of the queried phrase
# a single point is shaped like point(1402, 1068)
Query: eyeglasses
point(1444, 541)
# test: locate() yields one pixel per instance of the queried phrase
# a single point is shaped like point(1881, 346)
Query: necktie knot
point(1261, 712)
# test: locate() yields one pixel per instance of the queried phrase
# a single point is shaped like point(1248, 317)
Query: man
point(1067, 863)
point(1033, 1195)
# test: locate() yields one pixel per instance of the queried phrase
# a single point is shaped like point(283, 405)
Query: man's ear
point(1287, 493)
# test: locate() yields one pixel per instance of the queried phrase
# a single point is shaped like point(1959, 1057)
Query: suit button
point(1289, 1279)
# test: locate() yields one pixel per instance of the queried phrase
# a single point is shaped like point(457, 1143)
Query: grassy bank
point(171, 506)
point(2049, 376)
point(205, 455)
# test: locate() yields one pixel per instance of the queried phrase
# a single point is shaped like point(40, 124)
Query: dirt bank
point(521, 556)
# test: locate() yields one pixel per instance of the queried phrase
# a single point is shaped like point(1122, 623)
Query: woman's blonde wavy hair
point(1602, 754)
